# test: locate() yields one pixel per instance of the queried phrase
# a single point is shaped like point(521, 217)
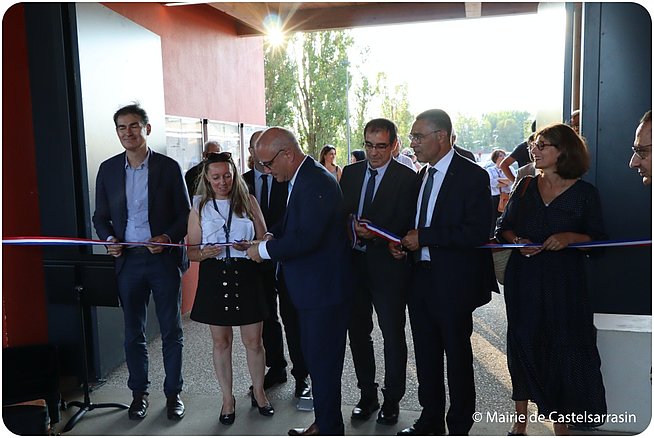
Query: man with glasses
point(140, 197)
point(642, 156)
point(382, 191)
point(272, 196)
point(311, 246)
point(451, 276)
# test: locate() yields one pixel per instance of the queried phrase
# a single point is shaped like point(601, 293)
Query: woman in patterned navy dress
point(551, 350)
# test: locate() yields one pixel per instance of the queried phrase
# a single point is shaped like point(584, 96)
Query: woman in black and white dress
point(230, 292)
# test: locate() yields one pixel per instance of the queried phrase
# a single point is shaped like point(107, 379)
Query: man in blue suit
point(451, 277)
point(141, 197)
point(310, 245)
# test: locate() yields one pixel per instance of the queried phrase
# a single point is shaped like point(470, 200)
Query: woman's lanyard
point(226, 226)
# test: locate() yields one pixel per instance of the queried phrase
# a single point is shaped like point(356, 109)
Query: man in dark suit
point(140, 196)
point(381, 190)
point(451, 277)
point(311, 245)
point(191, 176)
point(272, 196)
point(465, 153)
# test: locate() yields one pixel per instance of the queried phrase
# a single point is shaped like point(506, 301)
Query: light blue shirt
point(441, 170)
point(136, 193)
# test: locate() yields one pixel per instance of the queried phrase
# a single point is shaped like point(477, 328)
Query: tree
point(321, 86)
point(363, 95)
point(395, 107)
point(280, 72)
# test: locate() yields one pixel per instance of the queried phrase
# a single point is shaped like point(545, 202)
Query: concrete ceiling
point(313, 16)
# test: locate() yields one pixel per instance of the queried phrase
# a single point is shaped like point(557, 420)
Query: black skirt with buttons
point(229, 293)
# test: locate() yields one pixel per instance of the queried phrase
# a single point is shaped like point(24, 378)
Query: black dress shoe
point(389, 413)
point(266, 411)
point(419, 429)
point(139, 407)
point(174, 407)
point(274, 376)
point(305, 431)
point(302, 388)
point(364, 409)
point(228, 419)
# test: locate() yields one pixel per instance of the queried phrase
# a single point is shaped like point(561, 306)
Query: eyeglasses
point(268, 164)
point(419, 137)
point(642, 151)
point(379, 146)
point(219, 157)
point(540, 145)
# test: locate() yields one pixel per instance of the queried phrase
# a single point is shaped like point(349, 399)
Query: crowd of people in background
point(263, 240)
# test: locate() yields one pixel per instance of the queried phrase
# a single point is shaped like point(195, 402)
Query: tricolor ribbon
point(70, 241)
point(378, 231)
point(387, 235)
point(593, 244)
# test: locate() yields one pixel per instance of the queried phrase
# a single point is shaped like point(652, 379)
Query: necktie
point(264, 195)
point(426, 194)
point(370, 190)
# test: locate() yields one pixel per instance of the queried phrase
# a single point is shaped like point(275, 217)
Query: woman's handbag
point(500, 259)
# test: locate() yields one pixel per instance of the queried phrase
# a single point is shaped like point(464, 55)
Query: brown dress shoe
point(311, 430)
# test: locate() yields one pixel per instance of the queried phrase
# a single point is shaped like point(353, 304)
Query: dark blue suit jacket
point(168, 204)
point(460, 222)
point(311, 240)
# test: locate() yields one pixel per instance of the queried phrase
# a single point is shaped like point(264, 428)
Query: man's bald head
point(279, 153)
point(277, 138)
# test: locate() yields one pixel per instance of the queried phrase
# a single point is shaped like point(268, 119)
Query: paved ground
point(202, 393)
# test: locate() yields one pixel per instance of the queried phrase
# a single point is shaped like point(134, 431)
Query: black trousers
point(441, 330)
point(389, 301)
point(273, 340)
point(291, 323)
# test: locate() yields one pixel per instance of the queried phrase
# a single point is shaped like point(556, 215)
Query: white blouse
point(242, 228)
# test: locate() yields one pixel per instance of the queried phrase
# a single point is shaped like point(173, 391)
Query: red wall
point(208, 71)
point(24, 315)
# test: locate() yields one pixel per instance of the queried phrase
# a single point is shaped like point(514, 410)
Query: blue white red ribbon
point(593, 244)
point(387, 235)
point(71, 241)
point(378, 231)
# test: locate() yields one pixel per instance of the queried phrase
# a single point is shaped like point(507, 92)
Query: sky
point(471, 65)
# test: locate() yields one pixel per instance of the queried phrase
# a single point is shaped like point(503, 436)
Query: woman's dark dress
point(551, 350)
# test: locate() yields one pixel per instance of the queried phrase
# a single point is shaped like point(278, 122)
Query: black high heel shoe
point(266, 411)
point(228, 419)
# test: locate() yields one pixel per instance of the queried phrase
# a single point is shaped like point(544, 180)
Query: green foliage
point(363, 95)
point(306, 92)
point(280, 72)
point(322, 90)
point(395, 107)
point(501, 129)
